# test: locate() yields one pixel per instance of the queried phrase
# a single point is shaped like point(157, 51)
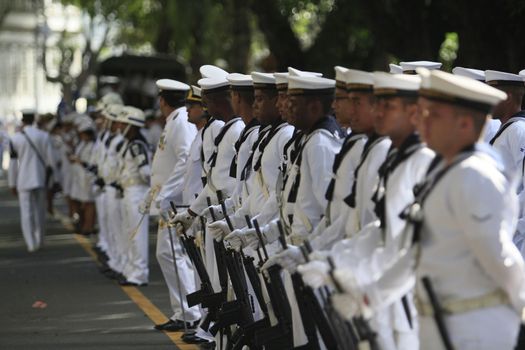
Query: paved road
point(84, 309)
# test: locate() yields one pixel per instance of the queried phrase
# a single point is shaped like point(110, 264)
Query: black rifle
point(238, 311)
point(281, 335)
point(438, 313)
point(363, 329)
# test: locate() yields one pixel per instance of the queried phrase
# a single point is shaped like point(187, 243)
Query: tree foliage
point(318, 34)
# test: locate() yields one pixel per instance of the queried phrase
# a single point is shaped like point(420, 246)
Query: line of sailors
point(388, 225)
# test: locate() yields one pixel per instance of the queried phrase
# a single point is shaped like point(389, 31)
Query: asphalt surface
point(83, 309)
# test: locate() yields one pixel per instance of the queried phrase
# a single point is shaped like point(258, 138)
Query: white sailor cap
point(240, 82)
point(264, 81)
point(132, 116)
point(85, 125)
point(194, 95)
point(497, 78)
point(281, 80)
point(387, 84)
point(211, 71)
point(340, 77)
point(359, 80)
point(111, 98)
point(471, 73)
point(303, 73)
point(310, 86)
point(458, 90)
point(112, 111)
point(410, 67)
point(395, 69)
point(213, 85)
point(172, 85)
point(81, 118)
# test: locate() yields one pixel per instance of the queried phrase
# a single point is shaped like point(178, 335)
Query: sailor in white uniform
point(509, 140)
point(135, 178)
point(492, 125)
point(459, 252)
point(167, 179)
point(30, 166)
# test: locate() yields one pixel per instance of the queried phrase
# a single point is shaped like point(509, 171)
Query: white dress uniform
point(345, 164)
point(82, 190)
point(68, 139)
point(167, 177)
point(467, 230)
point(27, 173)
point(135, 178)
point(99, 153)
point(110, 175)
point(317, 156)
point(192, 184)
point(175, 141)
point(266, 171)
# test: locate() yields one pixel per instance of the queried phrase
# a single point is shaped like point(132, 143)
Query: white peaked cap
point(476, 74)
point(260, 78)
point(133, 116)
point(313, 85)
point(86, 125)
point(459, 90)
point(111, 98)
point(211, 71)
point(387, 84)
point(81, 119)
point(359, 80)
point(495, 78)
point(301, 73)
point(171, 85)
point(340, 77)
point(237, 79)
point(112, 112)
point(395, 69)
point(281, 78)
point(413, 65)
point(522, 72)
point(209, 84)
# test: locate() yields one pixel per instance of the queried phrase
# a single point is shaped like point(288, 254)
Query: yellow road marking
point(141, 301)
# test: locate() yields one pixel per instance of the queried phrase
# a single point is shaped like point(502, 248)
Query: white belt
point(451, 307)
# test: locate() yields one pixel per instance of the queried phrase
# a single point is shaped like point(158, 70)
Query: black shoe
point(189, 333)
point(194, 339)
point(207, 346)
point(174, 326)
point(125, 282)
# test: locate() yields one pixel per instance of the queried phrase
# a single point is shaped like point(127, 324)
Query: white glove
point(321, 255)
point(244, 237)
point(288, 259)
point(346, 305)
point(218, 229)
point(145, 205)
point(315, 273)
point(164, 207)
point(217, 210)
point(182, 220)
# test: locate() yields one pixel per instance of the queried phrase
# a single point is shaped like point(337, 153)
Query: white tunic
point(317, 158)
point(26, 170)
point(169, 162)
point(510, 144)
point(219, 175)
point(192, 175)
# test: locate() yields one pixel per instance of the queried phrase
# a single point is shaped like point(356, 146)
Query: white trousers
point(100, 203)
point(136, 269)
point(186, 274)
point(33, 216)
point(483, 329)
point(117, 258)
